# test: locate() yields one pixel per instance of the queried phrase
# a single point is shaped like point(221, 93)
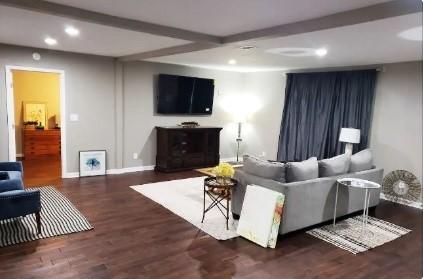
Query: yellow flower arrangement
point(224, 170)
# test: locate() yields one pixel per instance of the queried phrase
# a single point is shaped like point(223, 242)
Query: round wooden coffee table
point(218, 192)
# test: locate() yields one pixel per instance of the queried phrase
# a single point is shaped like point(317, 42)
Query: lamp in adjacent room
point(350, 136)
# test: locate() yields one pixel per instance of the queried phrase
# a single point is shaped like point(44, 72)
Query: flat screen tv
point(184, 95)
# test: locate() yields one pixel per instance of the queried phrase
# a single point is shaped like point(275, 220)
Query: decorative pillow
point(263, 168)
point(334, 166)
point(4, 175)
point(361, 161)
point(305, 170)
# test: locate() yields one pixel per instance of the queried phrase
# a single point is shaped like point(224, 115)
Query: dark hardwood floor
point(43, 170)
point(134, 237)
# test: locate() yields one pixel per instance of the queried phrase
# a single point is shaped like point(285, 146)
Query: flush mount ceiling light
point(72, 31)
point(412, 34)
point(321, 52)
point(292, 51)
point(232, 62)
point(50, 41)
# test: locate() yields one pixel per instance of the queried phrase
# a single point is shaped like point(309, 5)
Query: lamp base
point(348, 148)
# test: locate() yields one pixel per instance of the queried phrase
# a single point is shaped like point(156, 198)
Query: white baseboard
point(134, 169)
point(418, 205)
point(113, 171)
point(19, 155)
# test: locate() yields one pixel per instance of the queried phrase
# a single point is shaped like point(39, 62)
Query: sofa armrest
point(10, 185)
point(11, 166)
point(19, 203)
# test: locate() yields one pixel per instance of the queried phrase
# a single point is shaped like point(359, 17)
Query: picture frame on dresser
point(35, 112)
point(92, 162)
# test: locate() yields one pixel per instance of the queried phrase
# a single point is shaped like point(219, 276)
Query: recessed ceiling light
point(232, 62)
point(247, 47)
point(293, 51)
point(321, 52)
point(412, 34)
point(72, 31)
point(50, 41)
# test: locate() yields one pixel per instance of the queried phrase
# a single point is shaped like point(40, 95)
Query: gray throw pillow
point(334, 166)
point(361, 161)
point(305, 170)
point(263, 168)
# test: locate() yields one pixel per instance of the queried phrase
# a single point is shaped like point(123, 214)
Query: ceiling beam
point(109, 20)
point(186, 48)
point(361, 15)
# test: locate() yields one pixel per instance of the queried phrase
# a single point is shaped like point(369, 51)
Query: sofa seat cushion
point(334, 166)
point(263, 168)
point(300, 171)
point(361, 161)
point(15, 174)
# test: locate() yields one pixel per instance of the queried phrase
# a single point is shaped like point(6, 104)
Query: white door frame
point(11, 110)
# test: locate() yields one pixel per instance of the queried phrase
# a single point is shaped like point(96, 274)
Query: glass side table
point(358, 184)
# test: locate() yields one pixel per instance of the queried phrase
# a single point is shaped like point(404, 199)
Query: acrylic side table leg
point(365, 209)
point(336, 204)
point(368, 204)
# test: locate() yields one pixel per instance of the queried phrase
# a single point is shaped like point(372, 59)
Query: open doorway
point(36, 130)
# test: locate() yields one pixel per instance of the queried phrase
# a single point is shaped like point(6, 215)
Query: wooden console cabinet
point(187, 148)
point(41, 143)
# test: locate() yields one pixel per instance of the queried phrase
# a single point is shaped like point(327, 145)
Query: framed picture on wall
point(92, 162)
point(35, 112)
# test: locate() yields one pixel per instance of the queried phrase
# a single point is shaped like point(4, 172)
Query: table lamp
point(349, 136)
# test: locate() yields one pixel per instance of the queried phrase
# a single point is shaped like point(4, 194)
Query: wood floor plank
point(134, 237)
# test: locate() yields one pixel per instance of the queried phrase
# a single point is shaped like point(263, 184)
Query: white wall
point(89, 92)
point(260, 132)
point(116, 108)
point(396, 137)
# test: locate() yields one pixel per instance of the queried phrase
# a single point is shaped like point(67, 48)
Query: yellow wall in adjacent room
point(35, 87)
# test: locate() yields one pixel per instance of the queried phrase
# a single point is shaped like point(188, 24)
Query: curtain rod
point(378, 68)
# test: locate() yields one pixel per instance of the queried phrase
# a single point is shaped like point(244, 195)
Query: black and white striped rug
point(58, 217)
point(348, 234)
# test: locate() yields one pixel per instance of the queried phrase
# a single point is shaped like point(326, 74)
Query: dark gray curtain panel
point(318, 105)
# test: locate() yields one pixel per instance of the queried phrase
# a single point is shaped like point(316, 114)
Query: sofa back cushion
point(305, 170)
point(361, 161)
point(4, 175)
point(334, 166)
point(263, 168)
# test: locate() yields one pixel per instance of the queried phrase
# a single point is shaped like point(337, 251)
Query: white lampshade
point(349, 135)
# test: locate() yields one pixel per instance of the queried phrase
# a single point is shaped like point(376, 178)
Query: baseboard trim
point(401, 201)
point(19, 155)
point(133, 169)
point(113, 171)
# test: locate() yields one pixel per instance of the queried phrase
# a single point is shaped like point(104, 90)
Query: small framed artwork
point(92, 162)
point(35, 112)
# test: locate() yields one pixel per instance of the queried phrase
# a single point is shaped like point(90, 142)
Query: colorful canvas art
point(261, 215)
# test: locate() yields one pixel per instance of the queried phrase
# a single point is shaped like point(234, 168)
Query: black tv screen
point(184, 95)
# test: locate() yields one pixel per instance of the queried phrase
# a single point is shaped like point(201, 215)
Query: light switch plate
point(74, 117)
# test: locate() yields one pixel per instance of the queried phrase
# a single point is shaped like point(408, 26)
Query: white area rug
point(348, 235)
point(184, 197)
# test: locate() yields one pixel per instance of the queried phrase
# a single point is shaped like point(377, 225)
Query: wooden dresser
point(41, 143)
point(187, 148)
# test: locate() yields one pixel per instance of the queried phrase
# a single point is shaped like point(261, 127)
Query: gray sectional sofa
point(308, 202)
